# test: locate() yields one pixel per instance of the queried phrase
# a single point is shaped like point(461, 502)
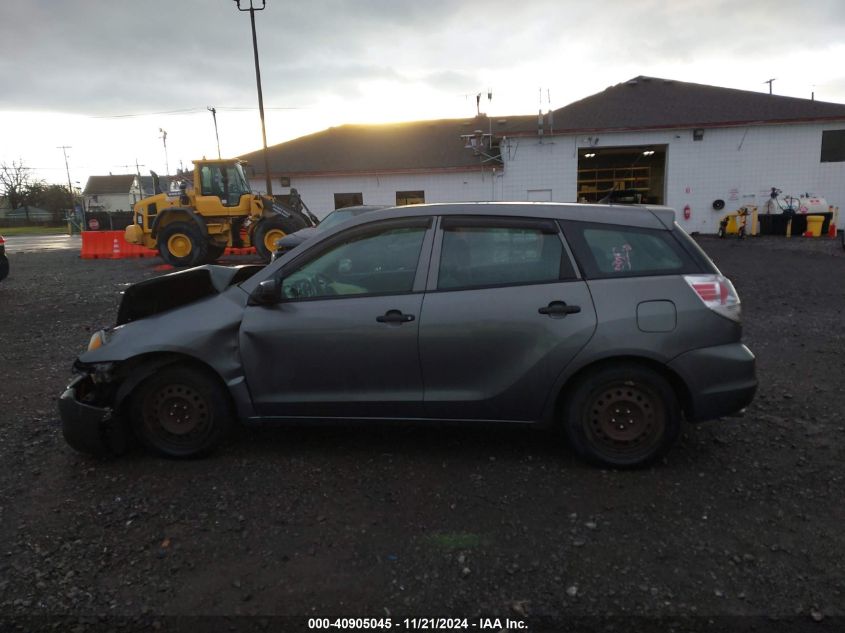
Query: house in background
point(111, 194)
point(681, 144)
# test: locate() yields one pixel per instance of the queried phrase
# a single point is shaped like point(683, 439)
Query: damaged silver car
point(608, 321)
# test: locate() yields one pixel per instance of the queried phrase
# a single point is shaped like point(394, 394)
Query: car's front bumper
point(88, 428)
point(721, 380)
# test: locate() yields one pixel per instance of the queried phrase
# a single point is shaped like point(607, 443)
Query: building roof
point(651, 102)
point(388, 148)
point(100, 185)
point(641, 103)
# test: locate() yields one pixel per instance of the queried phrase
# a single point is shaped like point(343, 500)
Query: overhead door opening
point(622, 174)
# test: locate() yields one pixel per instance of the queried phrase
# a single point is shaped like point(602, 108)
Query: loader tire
point(269, 230)
point(214, 252)
point(182, 244)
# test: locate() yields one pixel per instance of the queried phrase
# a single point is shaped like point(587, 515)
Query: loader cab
point(224, 180)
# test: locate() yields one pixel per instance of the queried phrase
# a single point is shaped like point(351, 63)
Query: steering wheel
point(322, 285)
point(302, 288)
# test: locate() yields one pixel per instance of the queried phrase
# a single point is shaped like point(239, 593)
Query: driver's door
point(343, 341)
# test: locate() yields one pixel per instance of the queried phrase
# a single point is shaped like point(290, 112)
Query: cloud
point(101, 58)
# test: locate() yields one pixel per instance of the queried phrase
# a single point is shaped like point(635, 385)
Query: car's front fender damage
point(95, 407)
point(89, 423)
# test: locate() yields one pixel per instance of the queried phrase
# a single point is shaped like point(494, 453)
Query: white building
point(669, 142)
point(111, 194)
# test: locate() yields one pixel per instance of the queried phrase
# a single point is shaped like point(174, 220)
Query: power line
point(185, 111)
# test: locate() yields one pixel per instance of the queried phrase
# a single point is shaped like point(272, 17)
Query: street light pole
point(216, 135)
point(252, 9)
point(164, 140)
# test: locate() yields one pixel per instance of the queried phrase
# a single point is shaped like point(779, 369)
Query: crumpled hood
point(167, 292)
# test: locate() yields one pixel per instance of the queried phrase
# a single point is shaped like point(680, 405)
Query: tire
point(182, 244)
point(4, 267)
point(268, 230)
point(214, 253)
point(181, 411)
point(624, 415)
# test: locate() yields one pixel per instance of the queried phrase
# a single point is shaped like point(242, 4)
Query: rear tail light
point(2, 241)
point(717, 293)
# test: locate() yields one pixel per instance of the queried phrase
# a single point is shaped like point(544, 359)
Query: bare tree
point(18, 185)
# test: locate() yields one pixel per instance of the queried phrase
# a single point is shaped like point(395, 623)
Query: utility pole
point(214, 115)
point(163, 140)
point(140, 185)
point(64, 149)
point(770, 81)
point(252, 9)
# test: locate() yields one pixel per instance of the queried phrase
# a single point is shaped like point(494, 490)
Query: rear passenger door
point(503, 314)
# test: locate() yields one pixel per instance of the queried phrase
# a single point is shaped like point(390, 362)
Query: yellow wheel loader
point(209, 212)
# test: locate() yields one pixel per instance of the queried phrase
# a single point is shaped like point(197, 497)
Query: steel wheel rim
point(177, 416)
point(271, 237)
point(625, 420)
point(179, 245)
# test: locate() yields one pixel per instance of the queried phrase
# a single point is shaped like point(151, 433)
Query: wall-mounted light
point(698, 134)
point(589, 155)
point(648, 152)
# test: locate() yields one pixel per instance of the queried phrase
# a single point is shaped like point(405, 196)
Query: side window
point(473, 255)
point(205, 180)
point(383, 262)
point(616, 251)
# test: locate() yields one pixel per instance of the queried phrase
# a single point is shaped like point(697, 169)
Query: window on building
point(342, 200)
point(833, 146)
point(410, 197)
point(539, 195)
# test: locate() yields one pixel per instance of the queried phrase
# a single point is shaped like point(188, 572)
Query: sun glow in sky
point(72, 71)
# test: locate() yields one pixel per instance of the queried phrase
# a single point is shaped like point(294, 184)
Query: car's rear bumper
point(721, 380)
point(87, 428)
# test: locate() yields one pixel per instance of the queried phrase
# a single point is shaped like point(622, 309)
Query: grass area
point(6, 231)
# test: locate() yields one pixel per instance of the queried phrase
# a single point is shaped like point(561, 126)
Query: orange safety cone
point(115, 249)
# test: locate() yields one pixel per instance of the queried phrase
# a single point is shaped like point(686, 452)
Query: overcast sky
point(104, 76)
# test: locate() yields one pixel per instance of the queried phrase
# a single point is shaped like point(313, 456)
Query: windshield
point(237, 179)
point(336, 217)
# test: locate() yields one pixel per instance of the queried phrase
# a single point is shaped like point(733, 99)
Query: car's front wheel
point(181, 411)
point(623, 416)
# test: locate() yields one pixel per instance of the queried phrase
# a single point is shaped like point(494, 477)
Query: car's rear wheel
point(181, 411)
point(622, 416)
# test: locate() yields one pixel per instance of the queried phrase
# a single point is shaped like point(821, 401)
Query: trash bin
point(814, 224)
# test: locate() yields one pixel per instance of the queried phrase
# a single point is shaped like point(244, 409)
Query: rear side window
point(482, 252)
point(606, 250)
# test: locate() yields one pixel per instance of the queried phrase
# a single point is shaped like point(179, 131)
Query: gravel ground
point(741, 525)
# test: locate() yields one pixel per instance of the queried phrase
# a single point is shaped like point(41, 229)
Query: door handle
point(559, 308)
point(395, 316)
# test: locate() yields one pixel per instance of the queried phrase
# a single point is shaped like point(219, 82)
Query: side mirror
point(269, 292)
